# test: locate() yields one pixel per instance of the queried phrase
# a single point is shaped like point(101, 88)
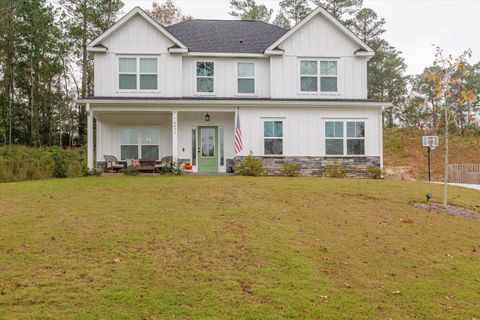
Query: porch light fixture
point(207, 117)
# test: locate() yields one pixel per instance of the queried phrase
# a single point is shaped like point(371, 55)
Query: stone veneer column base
point(356, 167)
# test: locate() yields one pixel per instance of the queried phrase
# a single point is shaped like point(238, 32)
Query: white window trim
point(283, 120)
point(254, 78)
point(319, 76)
point(139, 144)
point(137, 74)
point(196, 77)
point(220, 167)
point(344, 138)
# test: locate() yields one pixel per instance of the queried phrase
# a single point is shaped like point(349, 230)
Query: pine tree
point(86, 20)
point(250, 10)
point(340, 8)
point(295, 10)
point(386, 70)
point(282, 21)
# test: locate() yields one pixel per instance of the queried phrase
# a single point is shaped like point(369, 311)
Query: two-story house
point(299, 95)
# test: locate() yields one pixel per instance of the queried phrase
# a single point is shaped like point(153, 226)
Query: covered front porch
point(203, 137)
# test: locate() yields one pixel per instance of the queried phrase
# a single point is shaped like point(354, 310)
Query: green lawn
point(235, 248)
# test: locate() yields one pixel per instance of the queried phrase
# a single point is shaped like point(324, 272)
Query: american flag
point(238, 135)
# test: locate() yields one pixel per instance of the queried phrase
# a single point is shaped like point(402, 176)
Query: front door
point(208, 149)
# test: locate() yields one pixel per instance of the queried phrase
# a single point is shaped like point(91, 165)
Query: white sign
point(430, 141)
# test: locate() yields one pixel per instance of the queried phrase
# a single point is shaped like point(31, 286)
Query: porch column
point(89, 138)
point(174, 136)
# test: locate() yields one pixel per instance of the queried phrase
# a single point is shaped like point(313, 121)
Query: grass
point(235, 248)
point(19, 163)
point(402, 148)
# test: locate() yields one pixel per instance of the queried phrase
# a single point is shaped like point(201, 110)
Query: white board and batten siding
point(137, 38)
point(225, 77)
point(304, 129)
point(318, 39)
point(109, 125)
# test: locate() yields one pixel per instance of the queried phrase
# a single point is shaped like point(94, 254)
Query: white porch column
point(89, 138)
point(174, 136)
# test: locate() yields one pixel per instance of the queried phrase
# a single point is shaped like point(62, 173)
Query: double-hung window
point(246, 78)
point(344, 138)
point(138, 74)
point(127, 74)
point(273, 137)
point(205, 77)
point(139, 143)
point(318, 76)
point(356, 138)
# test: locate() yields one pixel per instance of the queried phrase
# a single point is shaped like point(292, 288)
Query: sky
point(413, 26)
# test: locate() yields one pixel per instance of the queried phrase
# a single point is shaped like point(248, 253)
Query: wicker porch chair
point(112, 164)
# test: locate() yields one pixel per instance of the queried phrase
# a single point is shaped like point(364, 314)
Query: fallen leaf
point(396, 292)
point(407, 220)
point(116, 260)
point(326, 270)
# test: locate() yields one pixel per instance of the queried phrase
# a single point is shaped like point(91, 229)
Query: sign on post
point(429, 142)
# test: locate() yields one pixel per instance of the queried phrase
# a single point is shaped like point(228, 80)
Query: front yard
point(235, 248)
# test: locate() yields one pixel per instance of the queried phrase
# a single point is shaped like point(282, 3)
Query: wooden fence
point(464, 173)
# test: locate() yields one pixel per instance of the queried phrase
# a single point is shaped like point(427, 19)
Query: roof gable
point(94, 45)
point(320, 11)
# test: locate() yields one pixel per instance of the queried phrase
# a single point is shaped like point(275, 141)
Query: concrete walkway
point(466, 185)
point(463, 185)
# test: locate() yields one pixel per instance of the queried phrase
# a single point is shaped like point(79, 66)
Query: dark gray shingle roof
point(230, 36)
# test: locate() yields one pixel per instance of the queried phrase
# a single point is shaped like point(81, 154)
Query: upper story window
point(205, 77)
point(138, 73)
point(344, 138)
point(318, 76)
point(273, 137)
point(246, 78)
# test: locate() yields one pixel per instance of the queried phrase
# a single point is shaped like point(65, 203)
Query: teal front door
point(208, 149)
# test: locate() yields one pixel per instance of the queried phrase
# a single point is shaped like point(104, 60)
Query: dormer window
point(318, 76)
point(138, 74)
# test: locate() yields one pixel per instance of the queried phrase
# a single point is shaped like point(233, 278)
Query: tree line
point(45, 66)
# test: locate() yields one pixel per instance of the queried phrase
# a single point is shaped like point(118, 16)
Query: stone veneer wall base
point(356, 167)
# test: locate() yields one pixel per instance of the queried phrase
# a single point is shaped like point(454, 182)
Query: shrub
point(92, 173)
point(131, 171)
point(290, 169)
point(173, 169)
point(376, 172)
point(19, 163)
point(60, 165)
point(471, 131)
point(250, 167)
point(335, 170)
